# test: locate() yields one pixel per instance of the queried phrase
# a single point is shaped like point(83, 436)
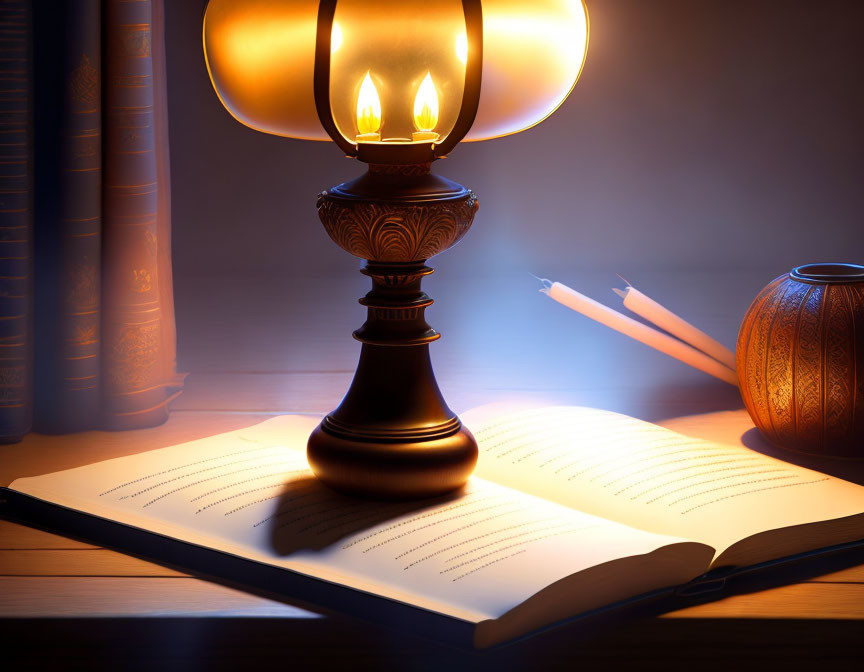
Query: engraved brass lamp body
point(396, 84)
point(393, 434)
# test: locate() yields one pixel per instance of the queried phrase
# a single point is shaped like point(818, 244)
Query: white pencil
point(638, 331)
point(664, 318)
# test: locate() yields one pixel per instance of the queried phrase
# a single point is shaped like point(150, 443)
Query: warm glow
point(369, 107)
point(426, 105)
point(261, 58)
point(535, 49)
point(462, 47)
point(335, 38)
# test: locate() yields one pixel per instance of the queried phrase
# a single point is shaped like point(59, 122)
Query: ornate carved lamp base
point(393, 435)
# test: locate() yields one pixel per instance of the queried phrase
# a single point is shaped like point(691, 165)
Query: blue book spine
point(16, 220)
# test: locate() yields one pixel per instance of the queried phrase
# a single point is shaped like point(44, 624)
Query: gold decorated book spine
point(68, 215)
point(16, 220)
point(80, 218)
point(135, 388)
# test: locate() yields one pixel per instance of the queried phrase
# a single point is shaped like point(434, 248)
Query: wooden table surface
point(255, 348)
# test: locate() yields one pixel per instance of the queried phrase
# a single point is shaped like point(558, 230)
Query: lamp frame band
point(408, 153)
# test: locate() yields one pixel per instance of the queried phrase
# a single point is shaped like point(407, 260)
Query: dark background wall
point(723, 136)
point(703, 133)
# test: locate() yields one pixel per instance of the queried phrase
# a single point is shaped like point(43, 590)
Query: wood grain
point(100, 596)
point(848, 575)
point(78, 562)
point(833, 601)
point(17, 536)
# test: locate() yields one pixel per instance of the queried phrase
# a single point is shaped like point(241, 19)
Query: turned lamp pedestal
point(393, 435)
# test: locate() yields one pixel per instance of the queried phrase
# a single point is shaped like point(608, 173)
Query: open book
point(570, 510)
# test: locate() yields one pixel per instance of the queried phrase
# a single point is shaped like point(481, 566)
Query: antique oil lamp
point(395, 84)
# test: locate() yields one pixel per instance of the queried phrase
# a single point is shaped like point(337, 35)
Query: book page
point(473, 555)
point(649, 477)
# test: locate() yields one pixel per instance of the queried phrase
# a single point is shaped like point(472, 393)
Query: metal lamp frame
point(400, 153)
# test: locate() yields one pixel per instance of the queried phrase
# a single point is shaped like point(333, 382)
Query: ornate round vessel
point(800, 360)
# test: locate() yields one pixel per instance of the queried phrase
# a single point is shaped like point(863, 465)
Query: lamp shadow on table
point(311, 516)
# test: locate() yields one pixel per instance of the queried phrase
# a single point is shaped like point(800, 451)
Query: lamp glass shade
point(261, 59)
point(533, 53)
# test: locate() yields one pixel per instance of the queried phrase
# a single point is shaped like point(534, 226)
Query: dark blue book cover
point(16, 220)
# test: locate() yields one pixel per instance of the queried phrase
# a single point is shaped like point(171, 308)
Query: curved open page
point(651, 478)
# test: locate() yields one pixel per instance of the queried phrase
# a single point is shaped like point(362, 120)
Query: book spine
point(16, 220)
point(135, 388)
point(163, 176)
point(68, 215)
point(80, 218)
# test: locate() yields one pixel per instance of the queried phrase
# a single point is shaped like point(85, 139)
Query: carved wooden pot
point(800, 360)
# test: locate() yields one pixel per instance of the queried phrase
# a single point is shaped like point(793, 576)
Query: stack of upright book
point(96, 334)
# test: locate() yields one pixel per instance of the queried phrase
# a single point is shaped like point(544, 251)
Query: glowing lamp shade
point(396, 71)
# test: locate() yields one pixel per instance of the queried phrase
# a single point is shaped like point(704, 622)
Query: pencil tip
point(547, 284)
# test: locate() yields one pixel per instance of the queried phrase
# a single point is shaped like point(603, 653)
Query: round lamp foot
point(409, 469)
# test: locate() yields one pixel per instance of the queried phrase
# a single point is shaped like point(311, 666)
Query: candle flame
point(426, 105)
point(368, 107)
